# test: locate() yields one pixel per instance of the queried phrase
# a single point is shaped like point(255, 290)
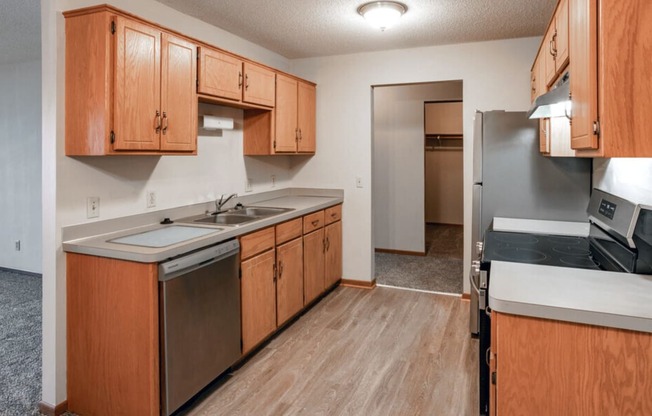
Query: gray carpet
point(439, 271)
point(20, 343)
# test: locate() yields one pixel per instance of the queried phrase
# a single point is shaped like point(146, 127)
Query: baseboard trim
point(7, 269)
point(466, 296)
point(403, 252)
point(360, 284)
point(48, 410)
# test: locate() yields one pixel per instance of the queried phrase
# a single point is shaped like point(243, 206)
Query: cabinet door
point(561, 40)
point(220, 74)
point(584, 81)
point(258, 291)
point(313, 265)
point(259, 85)
point(306, 114)
point(178, 96)
point(533, 80)
point(544, 136)
point(286, 114)
point(548, 46)
point(289, 284)
point(443, 118)
point(333, 255)
point(137, 117)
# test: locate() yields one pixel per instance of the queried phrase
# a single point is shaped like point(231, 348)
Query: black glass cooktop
point(549, 250)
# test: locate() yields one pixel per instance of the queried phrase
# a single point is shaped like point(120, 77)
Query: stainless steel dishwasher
point(199, 302)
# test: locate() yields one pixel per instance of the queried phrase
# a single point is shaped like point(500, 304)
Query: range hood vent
point(554, 103)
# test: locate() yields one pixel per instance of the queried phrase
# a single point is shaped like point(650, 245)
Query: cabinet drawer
point(288, 230)
point(332, 214)
point(313, 221)
point(254, 243)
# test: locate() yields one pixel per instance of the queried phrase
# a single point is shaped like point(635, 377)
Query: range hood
point(554, 103)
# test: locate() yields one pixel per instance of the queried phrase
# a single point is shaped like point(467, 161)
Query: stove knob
point(479, 246)
point(475, 266)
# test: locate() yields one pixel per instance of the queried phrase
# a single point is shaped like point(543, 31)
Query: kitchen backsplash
point(628, 178)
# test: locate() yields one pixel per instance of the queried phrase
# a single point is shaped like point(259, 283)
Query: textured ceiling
point(308, 28)
point(20, 30)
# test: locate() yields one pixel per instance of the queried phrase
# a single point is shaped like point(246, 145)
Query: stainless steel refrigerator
point(512, 179)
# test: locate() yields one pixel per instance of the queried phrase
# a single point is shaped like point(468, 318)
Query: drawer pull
point(333, 215)
point(314, 223)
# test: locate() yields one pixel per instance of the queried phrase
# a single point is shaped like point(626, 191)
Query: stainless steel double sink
point(236, 216)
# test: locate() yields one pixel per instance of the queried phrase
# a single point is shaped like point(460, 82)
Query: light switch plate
point(92, 207)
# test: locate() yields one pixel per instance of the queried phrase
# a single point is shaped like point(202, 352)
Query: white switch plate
point(92, 207)
point(248, 185)
point(358, 182)
point(151, 199)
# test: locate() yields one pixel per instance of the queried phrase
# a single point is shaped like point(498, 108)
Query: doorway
point(416, 247)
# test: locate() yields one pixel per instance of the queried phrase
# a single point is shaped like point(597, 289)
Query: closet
point(443, 162)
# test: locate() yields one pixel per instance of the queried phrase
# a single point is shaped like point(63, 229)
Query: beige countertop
point(594, 297)
point(93, 238)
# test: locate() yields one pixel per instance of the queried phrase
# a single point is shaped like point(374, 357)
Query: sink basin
point(226, 219)
point(258, 211)
point(236, 216)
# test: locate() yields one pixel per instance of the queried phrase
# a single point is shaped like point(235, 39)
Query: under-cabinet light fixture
point(382, 14)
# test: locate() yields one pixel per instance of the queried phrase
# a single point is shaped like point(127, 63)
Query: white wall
point(20, 165)
point(398, 162)
point(627, 178)
point(495, 76)
point(122, 182)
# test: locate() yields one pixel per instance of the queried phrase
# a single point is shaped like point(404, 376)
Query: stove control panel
point(607, 208)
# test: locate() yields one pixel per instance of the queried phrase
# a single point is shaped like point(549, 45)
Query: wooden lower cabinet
point(313, 265)
point(333, 255)
point(562, 368)
point(258, 292)
point(289, 283)
point(112, 336)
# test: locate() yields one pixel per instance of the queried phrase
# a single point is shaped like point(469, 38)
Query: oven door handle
point(473, 284)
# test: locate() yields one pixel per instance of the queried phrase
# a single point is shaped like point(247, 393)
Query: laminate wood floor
point(384, 351)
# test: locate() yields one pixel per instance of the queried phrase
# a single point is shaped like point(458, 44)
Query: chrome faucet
point(219, 203)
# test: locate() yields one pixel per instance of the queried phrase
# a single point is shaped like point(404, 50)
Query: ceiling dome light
point(382, 14)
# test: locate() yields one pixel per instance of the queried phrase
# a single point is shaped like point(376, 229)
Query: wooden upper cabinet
point(610, 81)
point(295, 115)
point(562, 39)
point(229, 78)
point(130, 87)
point(286, 114)
point(306, 114)
point(220, 74)
point(556, 42)
point(259, 85)
point(443, 118)
point(584, 77)
point(137, 115)
point(178, 97)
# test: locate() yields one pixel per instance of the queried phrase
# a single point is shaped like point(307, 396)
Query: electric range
point(619, 239)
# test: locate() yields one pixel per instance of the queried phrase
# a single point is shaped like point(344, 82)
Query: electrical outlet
point(17, 245)
point(151, 199)
point(273, 177)
point(92, 207)
point(248, 185)
point(358, 182)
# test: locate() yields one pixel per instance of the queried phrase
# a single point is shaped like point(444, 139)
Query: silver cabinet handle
point(157, 122)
